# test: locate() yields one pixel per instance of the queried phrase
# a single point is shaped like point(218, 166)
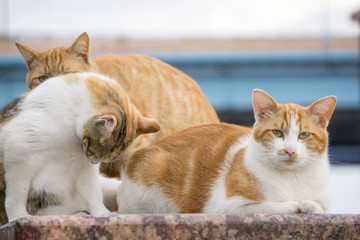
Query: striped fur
point(224, 168)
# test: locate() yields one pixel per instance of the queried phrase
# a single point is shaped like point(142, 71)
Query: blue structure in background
point(228, 78)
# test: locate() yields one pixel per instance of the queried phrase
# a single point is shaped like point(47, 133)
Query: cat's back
point(150, 82)
point(138, 66)
point(141, 72)
point(201, 141)
point(185, 164)
point(50, 112)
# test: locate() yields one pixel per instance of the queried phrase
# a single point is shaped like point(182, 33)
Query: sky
point(179, 19)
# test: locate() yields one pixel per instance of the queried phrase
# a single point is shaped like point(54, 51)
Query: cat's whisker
point(333, 161)
point(77, 157)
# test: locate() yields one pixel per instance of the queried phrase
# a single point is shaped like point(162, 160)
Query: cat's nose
point(290, 152)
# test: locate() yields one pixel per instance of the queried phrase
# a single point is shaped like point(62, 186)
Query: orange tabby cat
point(156, 89)
point(279, 166)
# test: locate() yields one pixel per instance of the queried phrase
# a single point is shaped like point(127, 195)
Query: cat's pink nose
point(290, 152)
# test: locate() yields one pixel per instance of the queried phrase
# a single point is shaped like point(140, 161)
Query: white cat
point(47, 145)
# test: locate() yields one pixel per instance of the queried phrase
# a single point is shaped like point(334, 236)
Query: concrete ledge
point(185, 226)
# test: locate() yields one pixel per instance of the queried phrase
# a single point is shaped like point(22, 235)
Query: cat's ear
point(81, 47)
point(106, 125)
point(29, 54)
point(263, 104)
point(322, 110)
point(147, 125)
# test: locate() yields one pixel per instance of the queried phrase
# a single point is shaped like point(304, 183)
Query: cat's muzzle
point(94, 160)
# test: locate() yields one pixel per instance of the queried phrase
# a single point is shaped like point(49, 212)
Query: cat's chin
point(287, 164)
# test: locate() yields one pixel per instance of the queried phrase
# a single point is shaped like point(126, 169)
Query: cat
point(46, 145)
point(156, 89)
point(278, 166)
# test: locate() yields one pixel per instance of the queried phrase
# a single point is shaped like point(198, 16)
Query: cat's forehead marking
point(53, 58)
point(290, 116)
point(294, 119)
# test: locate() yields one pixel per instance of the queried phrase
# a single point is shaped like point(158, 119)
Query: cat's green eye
point(304, 135)
point(277, 133)
point(43, 78)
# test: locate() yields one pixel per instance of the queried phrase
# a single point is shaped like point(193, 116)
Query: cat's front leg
point(311, 207)
point(17, 178)
point(271, 207)
point(89, 188)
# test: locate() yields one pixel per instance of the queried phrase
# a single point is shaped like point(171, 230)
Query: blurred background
point(297, 51)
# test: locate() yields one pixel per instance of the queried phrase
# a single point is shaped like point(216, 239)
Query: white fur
point(42, 150)
point(135, 198)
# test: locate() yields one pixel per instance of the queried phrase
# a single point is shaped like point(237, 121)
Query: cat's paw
point(291, 207)
point(310, 207)
point(103, 212)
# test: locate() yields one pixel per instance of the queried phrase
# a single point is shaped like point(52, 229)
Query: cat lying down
point(278, 166)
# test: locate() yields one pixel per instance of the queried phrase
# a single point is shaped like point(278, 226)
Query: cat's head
point(106, 137)
point(55, 61)
point(116, 122)
point(291, 136)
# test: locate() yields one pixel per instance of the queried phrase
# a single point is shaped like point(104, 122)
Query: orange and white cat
point(278, 166)
point(156, 89)
point(50, 146)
